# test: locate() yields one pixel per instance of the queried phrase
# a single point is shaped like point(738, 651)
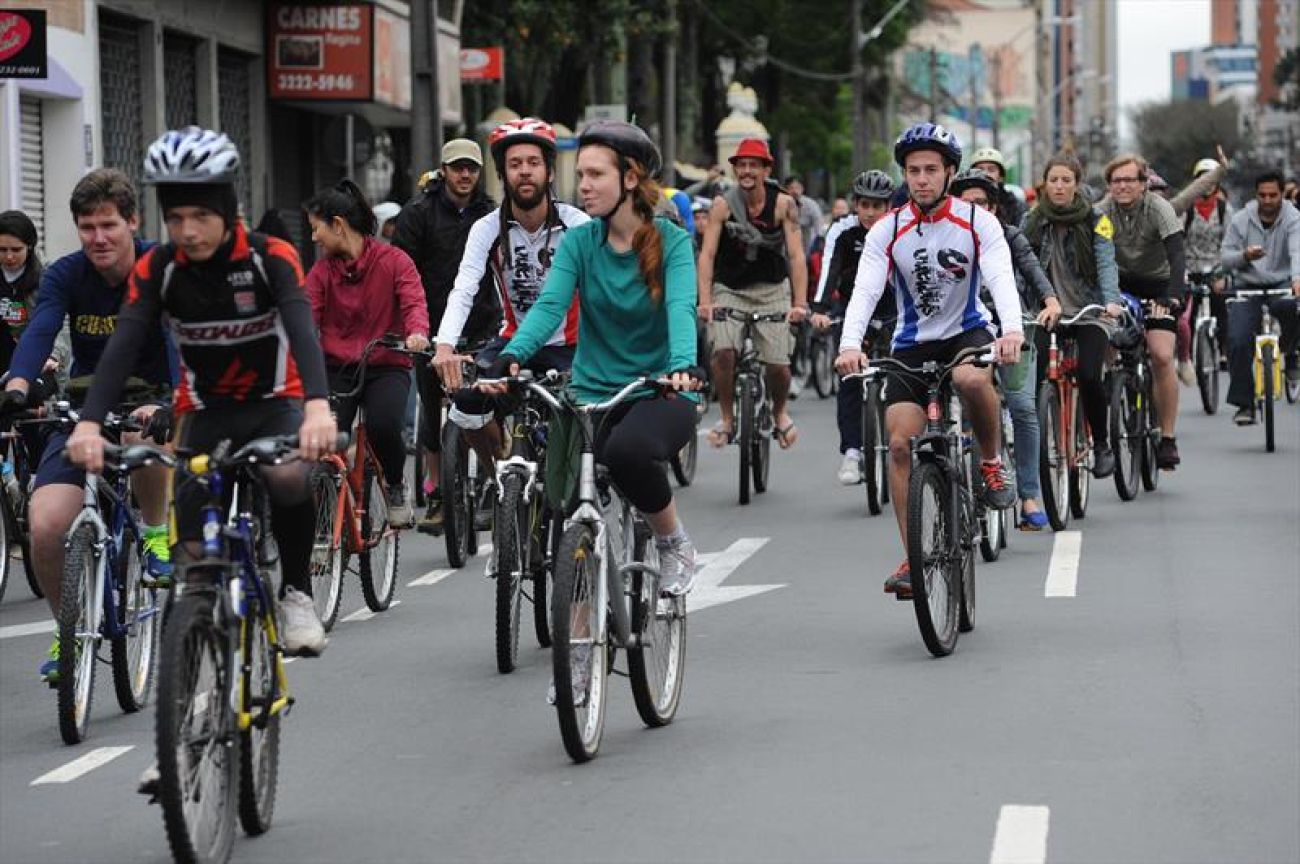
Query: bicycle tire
point(458, 516)
point(194, 726)
point(1125, 437)
point(1267, 359)
point(543, 572)
point(762, 461)
point(871, 475)
point(822, 371)
point(140, 617)
point(259, 744)
point(1053, 467)
point(418, 474)
point(966, 609)
point(78, 636)
point(8, 540)
point(936, 586)
point(509, 542)
point(1150, 438)
point(656, 672)
point(745, 414)
point(884, 445)
point(29, 568)
point(577, 567)
point(1205, 354)
point(683, 462)
point(1081, 469)
point(379, 560)
point(328, 553)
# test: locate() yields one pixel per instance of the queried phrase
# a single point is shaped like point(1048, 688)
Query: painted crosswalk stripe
point(32, 629)
point(82, 765)
point(366, 614)
point(433, 577)
point(1021, 835)
point(1063, 572)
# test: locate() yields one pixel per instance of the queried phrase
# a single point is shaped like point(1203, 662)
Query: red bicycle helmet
point(525, 130)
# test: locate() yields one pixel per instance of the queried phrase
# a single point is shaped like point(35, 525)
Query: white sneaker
point(851, 467)
point(678, 564)
point(400, 513)
point(301, 630)
point(1186, 372)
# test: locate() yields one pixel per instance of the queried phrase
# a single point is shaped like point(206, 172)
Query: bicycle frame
point(1062, 372)
point(347, 516)
point(109, 543)
point(1266, 334)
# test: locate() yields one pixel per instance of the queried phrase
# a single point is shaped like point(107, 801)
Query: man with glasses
point(1152, 266)
point(433, 229)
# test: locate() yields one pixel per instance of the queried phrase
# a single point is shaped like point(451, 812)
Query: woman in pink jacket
point(360, 290)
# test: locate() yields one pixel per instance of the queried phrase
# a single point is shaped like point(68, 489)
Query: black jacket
point(433, 232)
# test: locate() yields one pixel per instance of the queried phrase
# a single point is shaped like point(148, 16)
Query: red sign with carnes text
point(320, 51)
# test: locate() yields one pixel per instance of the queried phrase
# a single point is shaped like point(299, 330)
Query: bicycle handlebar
point(1086, 310)
point(724, 312)
point(975, 355)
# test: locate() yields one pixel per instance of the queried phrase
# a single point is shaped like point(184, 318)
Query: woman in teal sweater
point(635, 278)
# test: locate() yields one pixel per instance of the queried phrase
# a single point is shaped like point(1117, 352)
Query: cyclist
point(810, 212)
point(86, 288)
point(751, 256)
point(936, 253)
point(20, 276)
point(991, 161)
point(518, 241)
point(870, 192)
point(248, 354)
point(633, 277)
point(1204, 225)
point(433, 230)
point(1149, 250)
point(1019, 382)
point(361, 289)
point(1261, 250)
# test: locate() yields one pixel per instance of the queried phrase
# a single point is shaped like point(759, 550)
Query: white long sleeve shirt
point(936, 264)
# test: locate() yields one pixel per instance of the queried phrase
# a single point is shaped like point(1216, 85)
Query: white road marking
point(366, 614)
point(1063, 572)
point(82, 765)
point(1021, 835)
point(709, 590)
point(32, 629)
point(433, 577)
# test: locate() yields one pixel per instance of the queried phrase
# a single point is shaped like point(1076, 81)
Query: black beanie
point(217, 197)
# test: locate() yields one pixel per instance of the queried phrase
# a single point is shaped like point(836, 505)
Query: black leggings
point(635, 439)
point(384, 399)
point(1092, 342)
point(429, 387)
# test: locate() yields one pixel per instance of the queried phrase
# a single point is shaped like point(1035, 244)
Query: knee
point(49, 519)
point(970, 382)
point(900, 449)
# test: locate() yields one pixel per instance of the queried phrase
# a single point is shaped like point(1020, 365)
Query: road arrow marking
point(365, 614)
point(1063, 572)
point(433, 577)
point(1021, 835)
point(82, 765)
point(709, 590)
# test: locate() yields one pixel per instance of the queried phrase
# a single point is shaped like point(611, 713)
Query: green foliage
point(1174, 135)
point(1286, 74)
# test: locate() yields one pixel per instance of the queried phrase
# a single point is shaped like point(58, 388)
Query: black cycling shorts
point(910, 388)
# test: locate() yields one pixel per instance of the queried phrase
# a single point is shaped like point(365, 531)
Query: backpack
point(1221, 207)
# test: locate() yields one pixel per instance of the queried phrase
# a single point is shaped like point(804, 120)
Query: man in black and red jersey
point(250, 365)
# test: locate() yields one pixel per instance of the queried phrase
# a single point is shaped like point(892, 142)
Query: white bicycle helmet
point(989, 154)
point(1204, 165)
point(191, 155)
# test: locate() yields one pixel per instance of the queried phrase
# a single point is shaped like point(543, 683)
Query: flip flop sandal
point(720, 436)
point(786, 435)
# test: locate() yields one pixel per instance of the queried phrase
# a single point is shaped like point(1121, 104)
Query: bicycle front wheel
point(379, 561)
point(1054, 464)
point(198, 753)
point(935, 566)
point(78, 635)
point(259, 742)
point(1125, 435)
point(1267, 361)
point(457, 498)
point(657, 662)
point(1081, 463)
point(683, 461)
point(873, 474)
point(1205, 354)
point(1150, 437)
point(543, 565)
point(578, 650)
point(509, 546)
point(8, 541)
point(762, 461)
point(139, 620)
point(328, 557)
point(823, 370)
point(745, 416)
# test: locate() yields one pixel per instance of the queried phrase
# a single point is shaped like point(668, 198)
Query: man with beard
point(752, 253)
point(516, 243)
point(433, 229)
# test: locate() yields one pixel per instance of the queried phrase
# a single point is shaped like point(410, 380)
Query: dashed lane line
point(82, 765)
point(365, 614)
point(1063, 572)
point(1021, 835)
point(32, 629)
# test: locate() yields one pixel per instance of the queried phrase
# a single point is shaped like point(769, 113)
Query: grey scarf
point(742, 230)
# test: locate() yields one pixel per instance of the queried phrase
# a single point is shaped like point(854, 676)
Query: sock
point(854, 452)
point(429, 488)
point(155, 531)
point(992, 462)
point(678, 535)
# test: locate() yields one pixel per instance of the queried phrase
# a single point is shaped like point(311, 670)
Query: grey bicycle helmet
point(627, 140)
point(976, 178)
point(191, 155)
point(874, 185)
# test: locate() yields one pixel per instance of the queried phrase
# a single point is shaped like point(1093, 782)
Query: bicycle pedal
point(903, 596)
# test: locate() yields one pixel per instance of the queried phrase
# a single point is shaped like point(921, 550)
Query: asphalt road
point(1151, 714)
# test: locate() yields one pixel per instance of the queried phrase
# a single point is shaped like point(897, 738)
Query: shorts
point(200, 431)
point(54, 468)
point(773, 340)
point(1168, 324)
point(471, 409)
point(909, 388)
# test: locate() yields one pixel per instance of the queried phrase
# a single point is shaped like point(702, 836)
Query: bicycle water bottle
point(10, 480)
point(211, 533)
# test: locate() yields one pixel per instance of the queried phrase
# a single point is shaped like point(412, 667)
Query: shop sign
point(22, 44)
point(481, 64)
point(392, 59)
point(321, 51)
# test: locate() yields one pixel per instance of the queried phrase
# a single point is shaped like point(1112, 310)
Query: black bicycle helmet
point(873, 185)
point(1128, 332)
point(628, 140)
point(975, 178)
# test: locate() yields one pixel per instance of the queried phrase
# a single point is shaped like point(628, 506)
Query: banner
point(481, 64)
point(321, 52)
point(22, 44)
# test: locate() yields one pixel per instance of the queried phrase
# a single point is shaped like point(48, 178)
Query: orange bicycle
point(352, 514)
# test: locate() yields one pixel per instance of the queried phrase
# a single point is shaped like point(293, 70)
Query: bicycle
point(1269, 376)
point(941, 525)
point(16, 479)
point(352, 514)
point(875, 445)
point(1065, 449)
point(823, 345)
point(1205, 340)
point(606, 597)
point(1134, 424)
point(752, 405)
point(222, 687)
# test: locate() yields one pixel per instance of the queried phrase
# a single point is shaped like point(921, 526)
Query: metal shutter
point(234, 109)
point(121, 109)
point(180, 89)
point(33, 165)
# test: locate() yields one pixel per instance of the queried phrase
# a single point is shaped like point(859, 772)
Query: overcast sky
point(1148, 31)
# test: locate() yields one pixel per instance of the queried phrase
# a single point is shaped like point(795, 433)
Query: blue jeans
point(1019, 386)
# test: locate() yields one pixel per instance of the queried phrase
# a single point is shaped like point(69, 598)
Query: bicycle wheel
point(1081, 465)
point(418, 473)
point(379, 561)
point(657, 663)
point(78, 634)
point(198, 754)
point(575, 623)
point(1205, 354)
point(936, 580)
point(509, 547)
point(966, 611)
point(762, 461)
point(139, 617)
point(328, 555)
point(683, 461)
point(872, 474)
point(457, 501)
point(259, 744)
point(543, 564)
point(883, 447)
point(1150, 438)
point(823, 370)
point(8, 541)
point(745, 416)
point(1125, 436)
point(989, 519)
point(1053, 464)
point(1267, 359)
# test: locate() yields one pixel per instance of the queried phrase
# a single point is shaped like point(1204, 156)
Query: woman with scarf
point(1074, 245)
point(20, 275)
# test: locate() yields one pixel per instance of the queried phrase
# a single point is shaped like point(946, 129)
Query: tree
point(1286, 74)
point(1174, 135)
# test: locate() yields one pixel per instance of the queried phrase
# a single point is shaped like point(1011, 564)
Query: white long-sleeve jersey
point(824, 291)
point(936, 264)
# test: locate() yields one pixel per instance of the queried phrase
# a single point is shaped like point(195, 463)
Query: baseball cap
point(461, 148)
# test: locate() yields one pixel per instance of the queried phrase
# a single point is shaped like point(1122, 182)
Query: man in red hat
point(751, 256)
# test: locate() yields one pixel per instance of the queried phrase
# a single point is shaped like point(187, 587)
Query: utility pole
point(426, 111)
point(859, 121)
point(670, 96)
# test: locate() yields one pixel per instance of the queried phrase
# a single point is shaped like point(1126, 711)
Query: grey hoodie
point(1281, 261)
